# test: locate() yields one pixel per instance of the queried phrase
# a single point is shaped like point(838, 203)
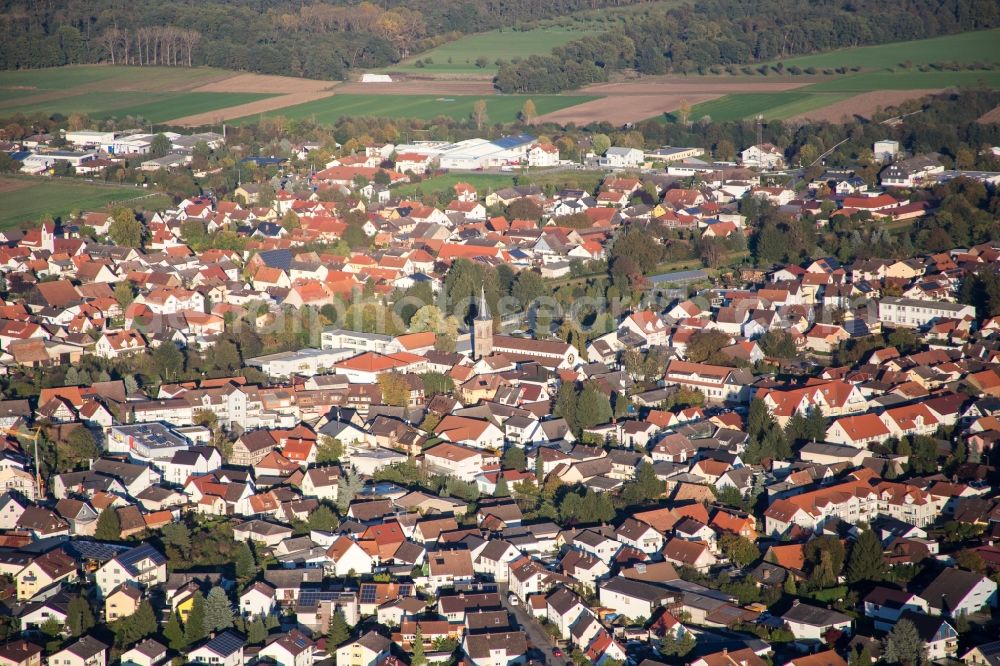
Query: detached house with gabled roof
point(143, 566)
point(116, 344)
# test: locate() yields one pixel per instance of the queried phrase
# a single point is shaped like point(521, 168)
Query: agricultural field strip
point(420, 106)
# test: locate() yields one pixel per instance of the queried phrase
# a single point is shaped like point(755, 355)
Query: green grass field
point(968, 47)
point(113, 76)
point(500, 108)
point(483, 182)
point(460, 55)
point(747, 105)
point(154, 107)
point(25, 200)
point(907, 80)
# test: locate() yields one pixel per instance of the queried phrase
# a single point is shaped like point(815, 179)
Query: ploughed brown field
point(863, 105)
point(621, 109)
point(288, 91)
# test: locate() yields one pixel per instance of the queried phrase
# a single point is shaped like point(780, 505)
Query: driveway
point(537, 636)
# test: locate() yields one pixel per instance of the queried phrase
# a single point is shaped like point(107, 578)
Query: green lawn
point(968, 47)
point(36, 198)
point(907, 80)
point(500, 108)
point(490, 182)
point(154, 107)
point(483, 182)
point(460, 55)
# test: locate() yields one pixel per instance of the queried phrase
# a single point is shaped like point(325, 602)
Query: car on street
point(556, 652)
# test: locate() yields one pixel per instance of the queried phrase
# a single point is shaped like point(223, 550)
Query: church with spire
point(482, 329)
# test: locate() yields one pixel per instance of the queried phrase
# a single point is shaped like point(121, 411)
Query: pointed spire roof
point(484, 309)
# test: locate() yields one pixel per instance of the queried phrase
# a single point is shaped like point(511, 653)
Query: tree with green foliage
point(323, 519)
point(437, 383)
point(514, 458)
point(178, 535)
point(159, 146)
point(740, 550)
point(143, 621)
point(329, 450)
point(565, 407)
point(730, 496)
point(348, 486)
point(924, 459)
point(705, 347)
point(338, 632)
point(218, 611)
point(81, 446)
point(79, 615)
point(124, 294)
point(646, 487)
point(174, 633)
point(501, 489)
point(866, 562)
point(672, 645)
point(904, 646)
point(246, 566)
point(778, 344)
point(591, 507)
point(860, 657)
point(109, 528)
point(125, 230)
point(789, 586)
point(194, 628)
point(593, 407)
point(417, 657)
point(169, 361)
point(256, 631)
point(825, 555)
point(527, 287)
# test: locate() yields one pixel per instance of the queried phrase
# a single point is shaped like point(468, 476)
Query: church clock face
point(571, 358)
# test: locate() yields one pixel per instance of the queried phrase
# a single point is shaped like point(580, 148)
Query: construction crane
point(38, 463)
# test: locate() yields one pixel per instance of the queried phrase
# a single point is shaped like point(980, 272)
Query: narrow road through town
point(537, 636)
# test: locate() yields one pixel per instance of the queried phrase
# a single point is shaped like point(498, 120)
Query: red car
point(556, 652)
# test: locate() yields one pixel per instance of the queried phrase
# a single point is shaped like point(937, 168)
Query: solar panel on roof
point(226, 643)
point(367, 594)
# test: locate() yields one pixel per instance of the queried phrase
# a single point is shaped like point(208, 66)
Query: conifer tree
point(109, 528)
point(339, 632)
point(174, 633)
point(418, 658)
point(218, 611)
point(194, 628)
point(866, 562)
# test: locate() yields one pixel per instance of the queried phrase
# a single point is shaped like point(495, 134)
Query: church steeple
point(482, 329)
point(484, 308)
